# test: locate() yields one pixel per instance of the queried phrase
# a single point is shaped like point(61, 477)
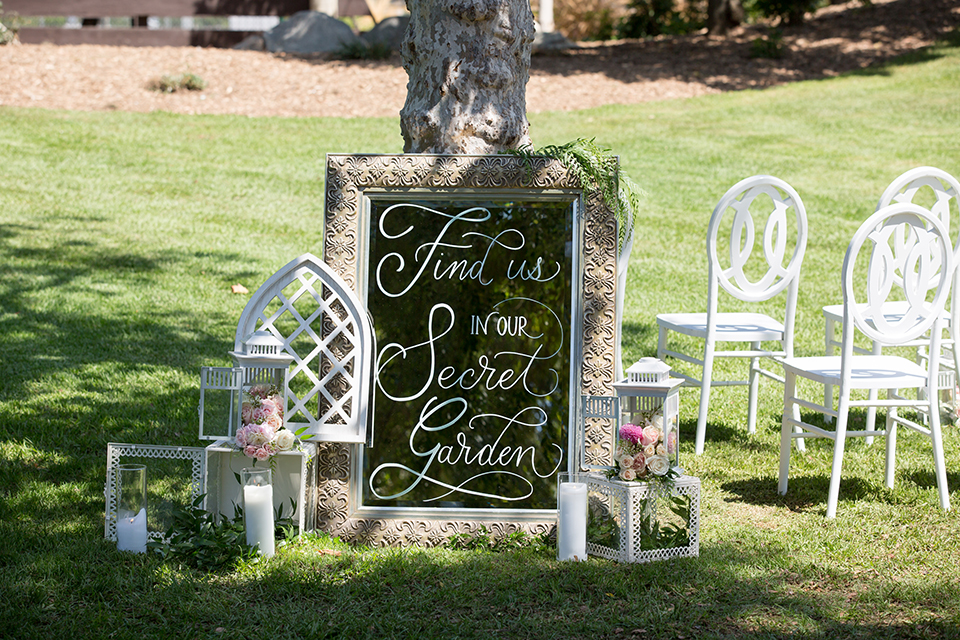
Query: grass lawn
point(121, 235)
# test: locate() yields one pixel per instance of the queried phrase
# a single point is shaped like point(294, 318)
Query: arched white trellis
point(325, 328)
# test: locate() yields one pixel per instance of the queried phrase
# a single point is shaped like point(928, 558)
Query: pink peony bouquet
point(261, 434)
point(644, 454)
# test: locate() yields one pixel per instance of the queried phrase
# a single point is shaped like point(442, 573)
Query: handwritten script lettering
point(471, 302)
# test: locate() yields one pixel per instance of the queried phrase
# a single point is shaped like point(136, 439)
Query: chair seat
point(892, 311)
point(866, 372)
point(740, 327)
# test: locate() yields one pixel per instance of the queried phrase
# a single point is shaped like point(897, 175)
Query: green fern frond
point(597, 168)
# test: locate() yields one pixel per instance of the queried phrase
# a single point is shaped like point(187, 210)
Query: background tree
point(468, 62)
point(723, 15)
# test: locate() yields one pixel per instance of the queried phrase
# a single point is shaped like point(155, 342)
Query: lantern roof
point(261, 349)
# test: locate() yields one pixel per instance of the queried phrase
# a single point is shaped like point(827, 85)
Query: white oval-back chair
point(758, 259)
point(920, 186)
point(910, 262)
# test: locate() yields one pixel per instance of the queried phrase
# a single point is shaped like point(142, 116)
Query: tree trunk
point(723, 15)
point(468, 62)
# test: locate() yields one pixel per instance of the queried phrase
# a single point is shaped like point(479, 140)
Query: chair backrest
point(910, 261)
point(327, 330)
point(732, 242)
point(925, 185)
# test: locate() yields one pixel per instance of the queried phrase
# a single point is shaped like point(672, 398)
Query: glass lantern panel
point(219, 402)
point(658, 411)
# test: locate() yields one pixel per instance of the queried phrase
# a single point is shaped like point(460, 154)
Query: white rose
point(661, 450)
point(285, 440)
point(658, 465)
point(657, 421)
point(628, 474)
point(650, 450)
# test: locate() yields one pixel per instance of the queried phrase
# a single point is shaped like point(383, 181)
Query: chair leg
point(705, 382)
point(790, 409)
point(890, 467)
point(754, 382)
point(840, 438)
point(829, 334)
point(872, 410)
point(938, 461)
point(661, 341)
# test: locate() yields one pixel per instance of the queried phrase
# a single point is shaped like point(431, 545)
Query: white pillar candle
point(132, 532)
point(258, 517)
point(572, 525)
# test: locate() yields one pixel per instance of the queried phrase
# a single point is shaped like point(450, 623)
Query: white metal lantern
point(261, 361)
point(650, 397)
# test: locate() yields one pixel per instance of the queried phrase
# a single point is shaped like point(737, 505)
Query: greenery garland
point(595, 166)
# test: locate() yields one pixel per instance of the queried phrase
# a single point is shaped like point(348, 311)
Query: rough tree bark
point(468, 62)
point(723, 15)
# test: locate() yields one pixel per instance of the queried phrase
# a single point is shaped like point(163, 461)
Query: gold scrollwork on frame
point(348, 177)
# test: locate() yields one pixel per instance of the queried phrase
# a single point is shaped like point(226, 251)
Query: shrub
point(360, 50)
point(789, 11)
point(768, 46)
point(183, 81)
point(587, 19)
point(655, 17)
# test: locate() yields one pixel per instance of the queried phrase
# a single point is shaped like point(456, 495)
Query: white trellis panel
point(326, 329)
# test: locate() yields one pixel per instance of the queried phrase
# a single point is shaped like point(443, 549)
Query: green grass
point(121, 235)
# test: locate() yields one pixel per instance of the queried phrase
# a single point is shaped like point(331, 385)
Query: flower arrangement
point(644, 453)
point(261, 434)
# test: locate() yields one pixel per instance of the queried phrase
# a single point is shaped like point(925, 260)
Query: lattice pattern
point(115, 451)
point(324, 328)
point(616, 509)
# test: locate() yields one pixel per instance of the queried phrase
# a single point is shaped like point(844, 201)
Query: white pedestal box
point(623, 525)
point(294, 477)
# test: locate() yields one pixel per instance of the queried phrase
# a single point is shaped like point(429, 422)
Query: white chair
point(922, 185)
point(746, 280)
point(910, 260)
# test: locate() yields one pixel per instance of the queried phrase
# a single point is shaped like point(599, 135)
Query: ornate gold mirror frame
point(348, 178)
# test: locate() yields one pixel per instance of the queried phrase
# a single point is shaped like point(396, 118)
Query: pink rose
point(651, 435)
point(257, 435)
point(640, 462)
point(250, 451)
point(258, 391)
point(274, 421)
point(263, 454)
point(246, 413)
point(268, 405)
point(631, 432)
point(258, 415)
point(672, 443)
point(277, 400)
